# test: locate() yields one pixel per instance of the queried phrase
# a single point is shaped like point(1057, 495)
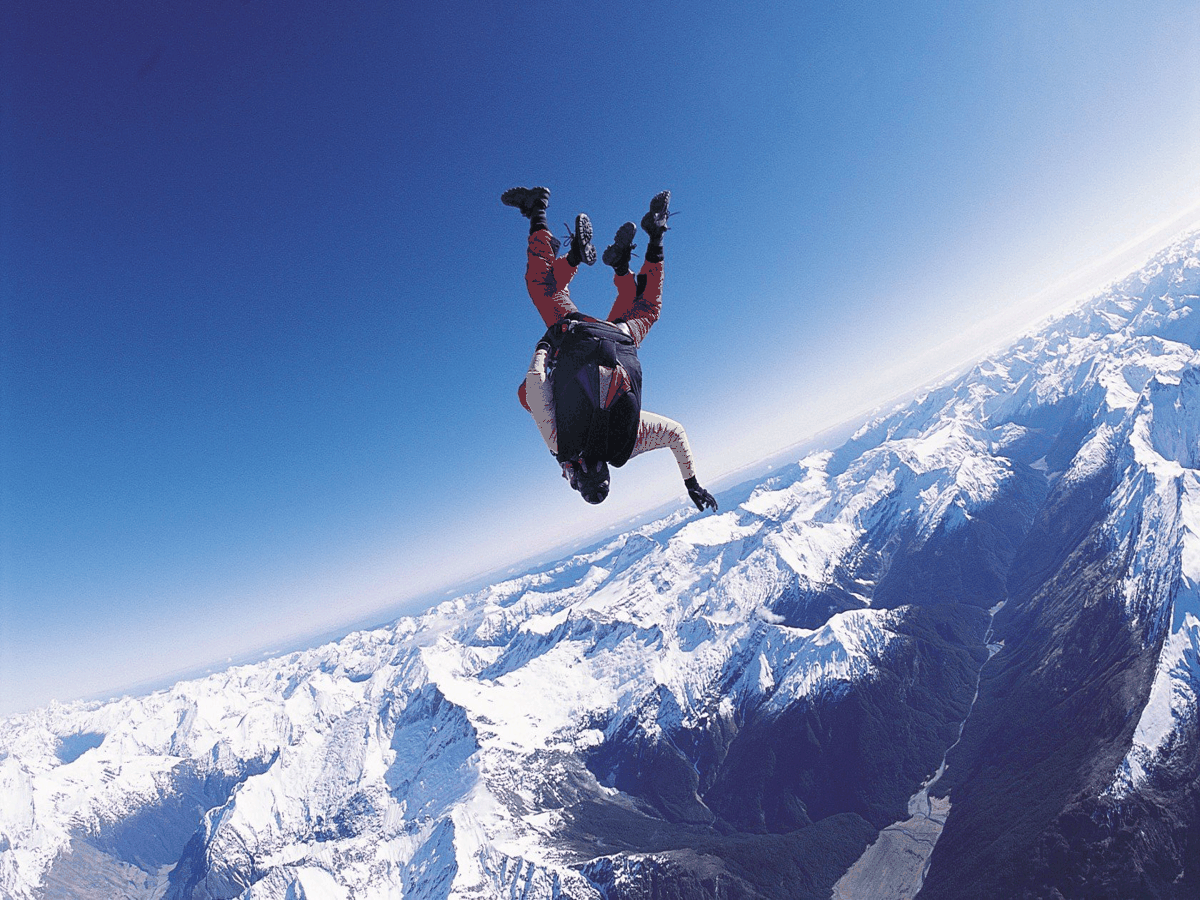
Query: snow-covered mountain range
point(956, 655)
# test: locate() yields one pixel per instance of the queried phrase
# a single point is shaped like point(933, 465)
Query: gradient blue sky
point(263, 315)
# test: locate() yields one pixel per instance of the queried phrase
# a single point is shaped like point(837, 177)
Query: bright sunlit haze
point(263, 314)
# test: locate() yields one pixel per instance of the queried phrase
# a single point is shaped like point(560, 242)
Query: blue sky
point(263, 315)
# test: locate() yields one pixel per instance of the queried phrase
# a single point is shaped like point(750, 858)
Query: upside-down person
point(584, 384)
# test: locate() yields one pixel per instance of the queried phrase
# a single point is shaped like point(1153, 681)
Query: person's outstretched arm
point(655, 432)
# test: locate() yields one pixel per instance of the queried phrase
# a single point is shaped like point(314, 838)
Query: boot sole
point(656, 220)
point(621, 246)
point(583, 239)
point(520, 198)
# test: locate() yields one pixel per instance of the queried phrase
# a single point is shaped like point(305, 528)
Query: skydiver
point(583, 386)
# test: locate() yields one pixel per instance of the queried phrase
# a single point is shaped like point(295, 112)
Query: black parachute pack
point(592, 424)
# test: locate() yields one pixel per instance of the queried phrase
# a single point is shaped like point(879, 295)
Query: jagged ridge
point(737, 703)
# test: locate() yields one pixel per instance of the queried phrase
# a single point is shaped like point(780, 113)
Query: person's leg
point(639, 299)
point(548, 279)
point(617, 255)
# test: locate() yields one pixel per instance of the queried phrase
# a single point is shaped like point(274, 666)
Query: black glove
point(699, 495)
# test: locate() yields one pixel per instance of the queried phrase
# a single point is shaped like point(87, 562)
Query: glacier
point(728, 705)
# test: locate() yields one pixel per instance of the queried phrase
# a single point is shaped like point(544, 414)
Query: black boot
point(654, 223)
point(581, 242)
point(618, 252)
point(532, 202)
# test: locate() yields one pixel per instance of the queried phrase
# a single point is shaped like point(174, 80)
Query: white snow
point(408, 761)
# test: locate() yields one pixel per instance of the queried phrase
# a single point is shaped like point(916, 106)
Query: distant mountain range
point(954, 657)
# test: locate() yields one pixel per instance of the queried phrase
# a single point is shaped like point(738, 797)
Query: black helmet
point(590, 479)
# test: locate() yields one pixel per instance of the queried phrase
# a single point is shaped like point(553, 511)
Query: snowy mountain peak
point(778, 681)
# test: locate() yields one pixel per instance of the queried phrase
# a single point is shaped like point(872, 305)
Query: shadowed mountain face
point(955, 657)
